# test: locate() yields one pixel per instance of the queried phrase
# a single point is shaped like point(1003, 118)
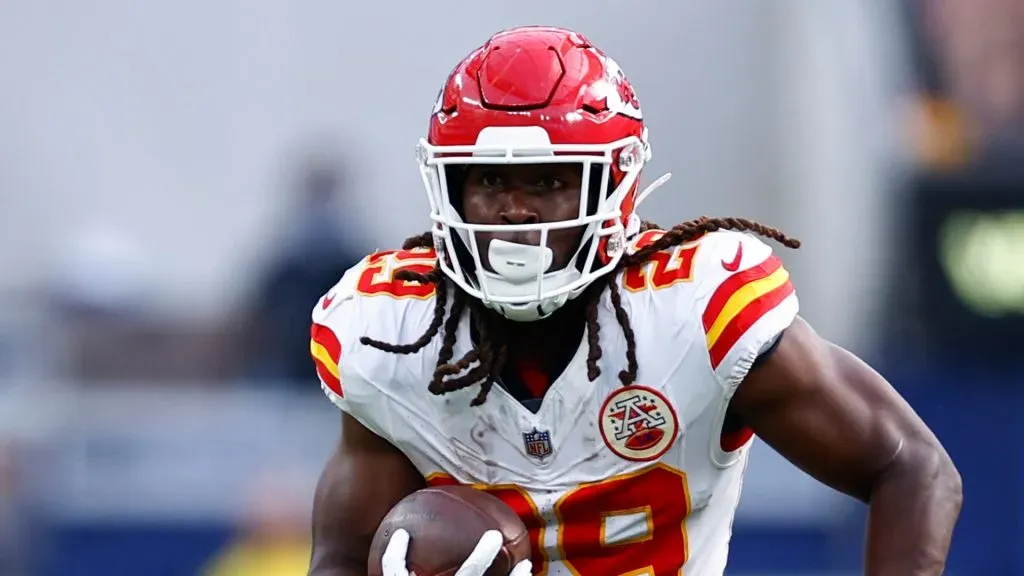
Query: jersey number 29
point(587, 518)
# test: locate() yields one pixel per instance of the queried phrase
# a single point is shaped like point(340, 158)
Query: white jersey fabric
point(609, 479)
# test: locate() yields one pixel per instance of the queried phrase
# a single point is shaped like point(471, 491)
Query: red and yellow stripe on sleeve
point(325, 348)
point(740, 301)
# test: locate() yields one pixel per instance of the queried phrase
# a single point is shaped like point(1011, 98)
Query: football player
point(602, 376)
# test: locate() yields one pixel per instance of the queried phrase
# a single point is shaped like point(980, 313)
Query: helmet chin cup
point(519, 284)
point(518, 263)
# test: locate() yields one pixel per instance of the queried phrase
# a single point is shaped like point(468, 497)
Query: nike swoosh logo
point(327, 301)
point(735, 264)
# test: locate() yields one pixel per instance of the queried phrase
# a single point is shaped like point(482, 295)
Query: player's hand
point(486, 550)
point(393, 562)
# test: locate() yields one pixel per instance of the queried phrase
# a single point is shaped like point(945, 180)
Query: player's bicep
point(827, 411)
point(364, 478)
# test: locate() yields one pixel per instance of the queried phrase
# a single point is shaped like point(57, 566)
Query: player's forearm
point(913, 510)
point(331, 556)
point(339, 545)
point(334, 549)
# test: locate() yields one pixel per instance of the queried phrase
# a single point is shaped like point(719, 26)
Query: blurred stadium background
point(180, 180)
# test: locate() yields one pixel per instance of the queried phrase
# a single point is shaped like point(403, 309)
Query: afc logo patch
point(538, 443)
point(638, 423)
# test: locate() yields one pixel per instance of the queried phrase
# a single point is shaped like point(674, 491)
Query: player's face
point(525, 194)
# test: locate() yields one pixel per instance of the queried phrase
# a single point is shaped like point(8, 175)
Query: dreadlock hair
point(486, 359)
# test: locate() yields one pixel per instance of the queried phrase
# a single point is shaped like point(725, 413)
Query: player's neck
point(550, 340)
point(538, 352)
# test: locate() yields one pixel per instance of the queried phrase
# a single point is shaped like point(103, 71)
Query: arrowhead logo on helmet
point(621, 98)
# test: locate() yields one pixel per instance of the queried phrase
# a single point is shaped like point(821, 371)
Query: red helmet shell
point(540, 76)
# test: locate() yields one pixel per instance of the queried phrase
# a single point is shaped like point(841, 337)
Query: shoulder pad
point(746, 300)
point(334, 320)
point(369, 301)
point(663, 269)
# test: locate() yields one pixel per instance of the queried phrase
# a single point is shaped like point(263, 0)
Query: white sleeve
point(748, 301)
point(337, 324)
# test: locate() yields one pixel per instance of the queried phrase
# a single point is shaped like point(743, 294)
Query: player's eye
point(550, 183)
point(491, 180)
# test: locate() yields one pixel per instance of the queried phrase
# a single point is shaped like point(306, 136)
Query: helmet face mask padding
point(534, 95)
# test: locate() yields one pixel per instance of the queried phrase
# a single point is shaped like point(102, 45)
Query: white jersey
point(608, 479)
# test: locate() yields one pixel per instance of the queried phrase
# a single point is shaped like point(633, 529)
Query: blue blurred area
point(175, 550)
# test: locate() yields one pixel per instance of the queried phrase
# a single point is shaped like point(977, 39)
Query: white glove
point(393, 562)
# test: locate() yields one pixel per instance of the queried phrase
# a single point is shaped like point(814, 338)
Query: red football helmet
point(536, 95)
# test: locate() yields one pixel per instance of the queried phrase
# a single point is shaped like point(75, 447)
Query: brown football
point(444, 524)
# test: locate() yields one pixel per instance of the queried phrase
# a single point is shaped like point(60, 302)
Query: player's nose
point(519, 217)
point(517, 211)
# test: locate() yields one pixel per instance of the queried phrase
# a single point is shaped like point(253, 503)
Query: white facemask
point(520, 283)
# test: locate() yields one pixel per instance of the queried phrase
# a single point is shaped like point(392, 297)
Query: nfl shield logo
point(538, 443)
